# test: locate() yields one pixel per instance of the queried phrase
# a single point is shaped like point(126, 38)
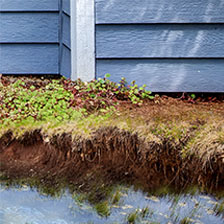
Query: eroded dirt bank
point(113, 154)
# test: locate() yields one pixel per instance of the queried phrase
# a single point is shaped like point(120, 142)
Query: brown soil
point(111, 154)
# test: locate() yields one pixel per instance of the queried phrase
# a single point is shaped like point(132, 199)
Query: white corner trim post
point(82, 39)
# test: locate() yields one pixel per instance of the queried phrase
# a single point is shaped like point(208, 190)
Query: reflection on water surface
point(22, 205)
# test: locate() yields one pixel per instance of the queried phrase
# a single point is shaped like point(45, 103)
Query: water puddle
point(23, 205)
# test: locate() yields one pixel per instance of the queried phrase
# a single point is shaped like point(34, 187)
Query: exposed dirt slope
point(113, 154)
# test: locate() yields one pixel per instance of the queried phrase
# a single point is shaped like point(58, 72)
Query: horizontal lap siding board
point(29, 59)
point(169, 75)
point(150, 41)
point(28, 27)
point(29, 37)
point(173, 46)
point(159, 11)
point(65, 59)
point(28, 5)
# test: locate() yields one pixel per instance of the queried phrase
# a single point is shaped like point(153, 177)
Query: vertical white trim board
point(83, 39)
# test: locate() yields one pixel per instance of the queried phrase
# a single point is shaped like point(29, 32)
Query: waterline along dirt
point(145, 141)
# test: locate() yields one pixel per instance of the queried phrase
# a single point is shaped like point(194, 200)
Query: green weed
point(103, 208)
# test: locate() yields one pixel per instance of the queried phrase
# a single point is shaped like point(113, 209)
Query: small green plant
point(145, 212)
point(219, 208)
point(103, 208)
point(116, 198)
point(137, 94)
point(79, 198)
point(132, 217)
point(193, 96)
point(102, 93)
point(138, 215)
point(185, 220)
point(22, 103)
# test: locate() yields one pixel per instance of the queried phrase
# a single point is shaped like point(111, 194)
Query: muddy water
point(22, 205)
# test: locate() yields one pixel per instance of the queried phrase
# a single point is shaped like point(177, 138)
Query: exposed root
point(115, 155)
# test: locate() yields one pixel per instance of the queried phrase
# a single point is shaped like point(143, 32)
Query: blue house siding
point(171, 46)
point(29, 27)
point(29, 40)
point(29, 58)
point(28, 5)
point(160, 41)
point(159, 11)
point(65, 46)
point(168, 75)
point(175, 45)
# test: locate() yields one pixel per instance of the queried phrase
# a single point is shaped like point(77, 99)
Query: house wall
point(172, 46)
point(29, 36)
